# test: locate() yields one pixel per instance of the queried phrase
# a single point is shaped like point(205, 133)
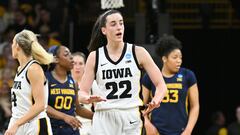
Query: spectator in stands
point(218, 124)
point(234, 128)
point(8, 16)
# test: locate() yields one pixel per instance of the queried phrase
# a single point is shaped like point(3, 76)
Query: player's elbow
point(41, 106)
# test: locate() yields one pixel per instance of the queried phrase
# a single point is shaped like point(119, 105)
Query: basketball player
point(117, 66)
point(63, 99)
point(173, 118)
point(29, 92)
point(79, 59)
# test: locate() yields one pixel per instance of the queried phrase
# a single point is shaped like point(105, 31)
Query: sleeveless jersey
point(118, 81)
point(62, 97)
point(172, 116)
point(21, 94)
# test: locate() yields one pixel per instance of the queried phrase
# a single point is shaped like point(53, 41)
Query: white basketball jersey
point(21, 94)
point(118, 81)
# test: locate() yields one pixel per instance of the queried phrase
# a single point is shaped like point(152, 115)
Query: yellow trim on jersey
point(174, 85)
point(186, 102)
point(38, 126)
point(47, 126)
point(31, 98)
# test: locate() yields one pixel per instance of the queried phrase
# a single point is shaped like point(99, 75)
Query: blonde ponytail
point(29, 43)
point(40, 54)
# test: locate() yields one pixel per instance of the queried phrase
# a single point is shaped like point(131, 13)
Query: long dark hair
point(97, 37)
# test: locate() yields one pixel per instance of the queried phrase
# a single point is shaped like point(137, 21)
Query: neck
point(115, 46)
point(59, 74)
point(23, 61)
point(166, 72)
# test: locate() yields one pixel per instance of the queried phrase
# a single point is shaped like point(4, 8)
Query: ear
point(18, 47)
point(164, 59)
point(103, 29)
point(55, 59)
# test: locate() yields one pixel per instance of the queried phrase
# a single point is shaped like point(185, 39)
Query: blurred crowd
point(50, 19)
point(219, 126)
point(16, 15)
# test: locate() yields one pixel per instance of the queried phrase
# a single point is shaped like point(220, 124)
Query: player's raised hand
point(94, 98)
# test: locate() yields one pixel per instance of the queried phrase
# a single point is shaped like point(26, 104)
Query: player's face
point(14, 48)
point(238, 113)
point(174, 61)
point(78, 67)
point(114, 28)
point(64, 58)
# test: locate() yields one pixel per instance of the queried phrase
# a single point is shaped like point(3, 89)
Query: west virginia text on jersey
point(62, 97)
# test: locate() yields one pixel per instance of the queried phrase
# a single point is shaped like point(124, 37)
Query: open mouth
point(119, 34)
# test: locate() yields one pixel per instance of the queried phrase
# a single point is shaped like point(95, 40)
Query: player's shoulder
point(35, 67)
point(92, 53)
point(183, 69)
point(186, 71)
point(92, 56)
point(139, 50)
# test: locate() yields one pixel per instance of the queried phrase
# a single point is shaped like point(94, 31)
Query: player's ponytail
point(27, 40)
point(40, 54)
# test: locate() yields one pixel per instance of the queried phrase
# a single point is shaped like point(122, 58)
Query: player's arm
point(84, 112)
point(37, 85)
point(146, 94)
point(150, 128)
point(81, 110)
point(71, 120)
point(194, 109)
point(146, 61)
point(87, 80)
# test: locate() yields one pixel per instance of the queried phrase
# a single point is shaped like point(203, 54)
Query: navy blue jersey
point(172, 116)
point(62, 97)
